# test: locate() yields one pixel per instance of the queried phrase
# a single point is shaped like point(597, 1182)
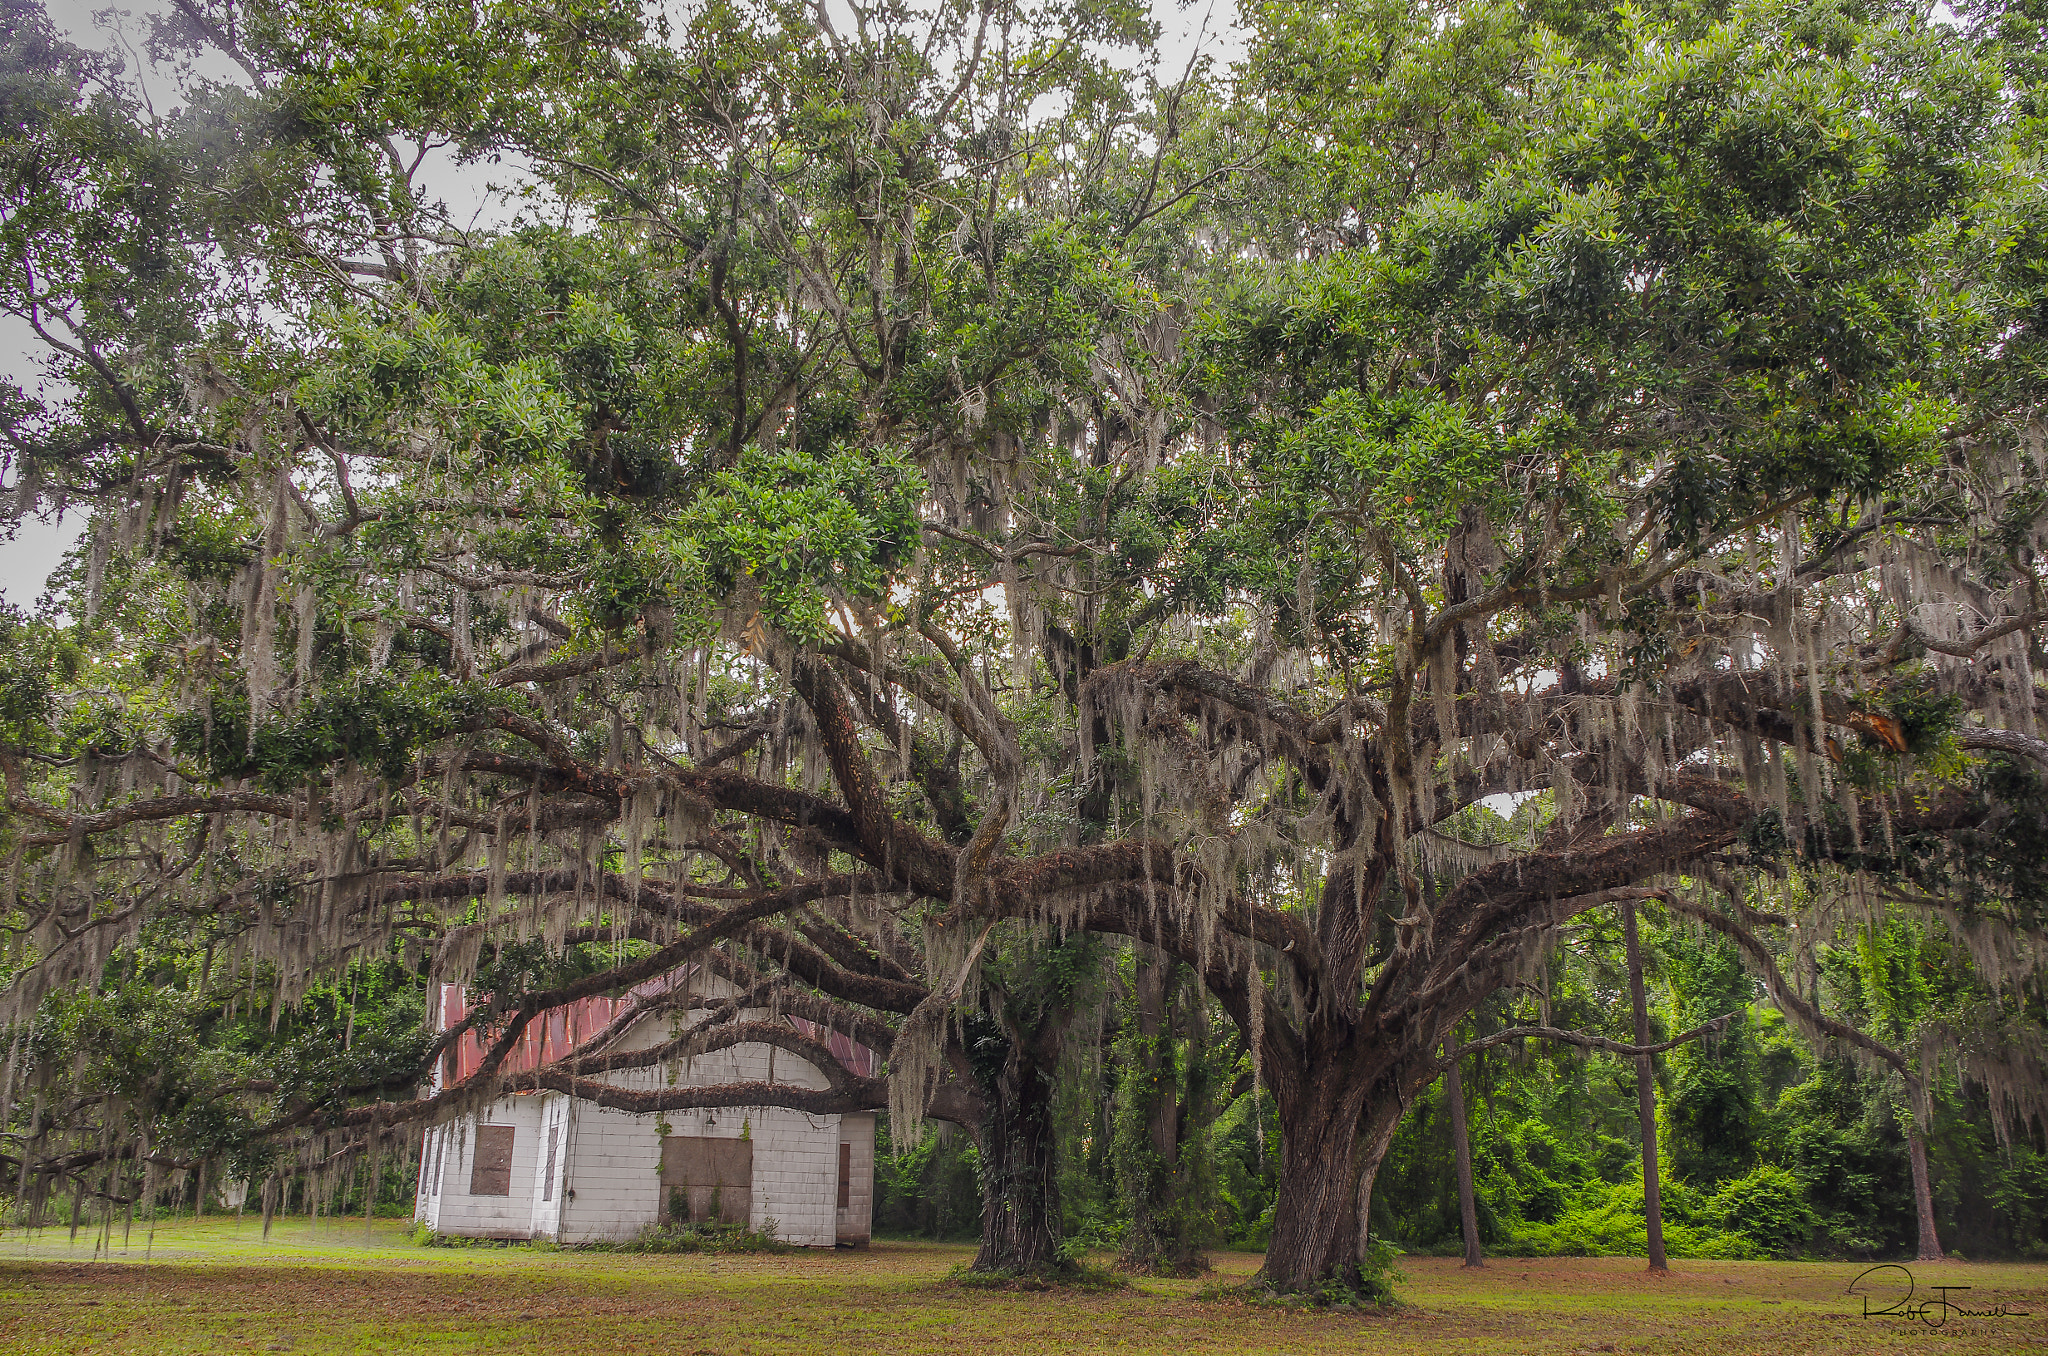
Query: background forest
point(1769, 1152)
point(1416, 606)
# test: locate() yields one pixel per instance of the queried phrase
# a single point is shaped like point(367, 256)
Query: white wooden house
point(546, 1165)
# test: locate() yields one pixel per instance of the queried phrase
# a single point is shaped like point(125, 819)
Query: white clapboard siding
point(607, 1175)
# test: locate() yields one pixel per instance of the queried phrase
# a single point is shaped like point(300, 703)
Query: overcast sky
point(37, 547)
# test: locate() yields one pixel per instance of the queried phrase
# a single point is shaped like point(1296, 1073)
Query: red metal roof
point(556, 1032)
point(857, 1058)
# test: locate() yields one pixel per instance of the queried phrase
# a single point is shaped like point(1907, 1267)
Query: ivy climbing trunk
point(1646, 1093)
point(1162, 1124)
point(1019, 1181)
point(1148, 1125)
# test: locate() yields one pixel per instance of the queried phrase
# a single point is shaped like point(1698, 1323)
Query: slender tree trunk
point(1019, 1184)
point(1923, 1193)
point(1646, 1093)
point(1461, 1148)
point(375, 1168)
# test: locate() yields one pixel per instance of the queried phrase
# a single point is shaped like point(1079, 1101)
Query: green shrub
point(1768, 1206)
point(1606, 1220)
point(1068, 1273)
point(699, 1236)
point(427, 1238)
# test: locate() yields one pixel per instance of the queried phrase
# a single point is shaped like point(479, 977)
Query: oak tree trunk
point(1461, 1147)
point(1646, 1094)
point(1317, 1218)
point(1019, 1184)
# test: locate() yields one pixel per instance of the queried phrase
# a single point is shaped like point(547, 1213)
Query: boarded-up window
point(706, 1178)
point(845, 1176)
point(492, 1173)
point(547, 1182)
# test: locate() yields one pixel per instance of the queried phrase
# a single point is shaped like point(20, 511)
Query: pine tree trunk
point(1646, 1094)
point(1019, 1184)
point(1461, 1147)
point(1923, 1194)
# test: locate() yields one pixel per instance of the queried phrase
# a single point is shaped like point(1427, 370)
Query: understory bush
point(1767, 1206)
point(930, 1190)
point(1069, 1273)
point(1603, 1219)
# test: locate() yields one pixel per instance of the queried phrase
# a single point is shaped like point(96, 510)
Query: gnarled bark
point(1319, 1214)
point(1020, 1217)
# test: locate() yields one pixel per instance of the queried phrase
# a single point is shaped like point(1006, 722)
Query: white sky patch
point(1507, 802)
point(36, 548)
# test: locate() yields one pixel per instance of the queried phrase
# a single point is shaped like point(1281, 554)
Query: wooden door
point(707, 1178)
point(490, 1173)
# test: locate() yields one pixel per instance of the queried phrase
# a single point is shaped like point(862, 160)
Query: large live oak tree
point(867, 533)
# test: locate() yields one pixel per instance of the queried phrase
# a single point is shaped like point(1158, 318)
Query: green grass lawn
point(217, 1286)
